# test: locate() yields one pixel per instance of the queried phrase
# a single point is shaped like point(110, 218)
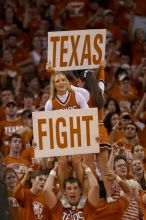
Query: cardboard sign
point(65, 132)
point(73, 50)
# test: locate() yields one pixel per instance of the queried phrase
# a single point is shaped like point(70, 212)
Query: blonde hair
point(52, 84)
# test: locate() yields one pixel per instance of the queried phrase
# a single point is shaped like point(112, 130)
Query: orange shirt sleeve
point(19, 194)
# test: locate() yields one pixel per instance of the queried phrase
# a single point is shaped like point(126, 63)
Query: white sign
point(73, 50)
point(65, 132)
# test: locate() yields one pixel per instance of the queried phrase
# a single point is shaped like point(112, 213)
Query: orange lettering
point(74, 52)
point(97, 38)
point(63, 51)
point(86, 54)
point(74, 131)
point(87, 119)
point(64, 134)
point(40, 132)
point(51, 133)
point(54, 41)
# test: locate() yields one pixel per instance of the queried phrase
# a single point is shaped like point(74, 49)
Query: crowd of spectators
point(25, 88)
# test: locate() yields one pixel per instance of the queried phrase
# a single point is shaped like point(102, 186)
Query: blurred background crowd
point(24, 80)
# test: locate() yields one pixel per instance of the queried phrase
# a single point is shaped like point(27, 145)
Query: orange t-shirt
point(111, 211)
point(118, 134)
point(28, 154)
point(26, 136)
point(33, 206)
point(128, 98)
point(18, 164)
point(76, 14)
point(15, 210)
point(7, 128)
point(58, 212)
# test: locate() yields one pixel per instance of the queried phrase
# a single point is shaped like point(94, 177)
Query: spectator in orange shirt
point(113, 84)
point(12, 76)
point(28, 99)
point(32, 201)
point(95, 15)
point(20, 55)
point(11, 180)
point(34, 87)
point(118, 130)
point(75, 14)
point(133, 106)
point(12, 124)
point(115, 209)
point(27, 131)
point(109, 24)
point(137, 46)
point(14, 160)
point(124, 94)
point(6, 95)
point(121, 169)
point(42, 74)
point(73, 202)
point(138, 152)
point(130, 137)
point(4, 204)
point(111, 105)
point(110, 121)
point(9, 19)
point(35, 52)
point(138, 172)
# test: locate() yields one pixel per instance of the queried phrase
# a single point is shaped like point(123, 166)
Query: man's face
point(121, 168)
point(130, 131)
point(28, 101)
point(39, 182)
point(72, 192)
point(125, 86)
point(11, 109)
point(15, 145)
